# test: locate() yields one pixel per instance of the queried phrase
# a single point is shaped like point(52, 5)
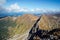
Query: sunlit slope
point(49, 22)
point(25, 22)
point(11, 26)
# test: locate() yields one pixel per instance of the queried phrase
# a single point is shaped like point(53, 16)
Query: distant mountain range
point(6, 14)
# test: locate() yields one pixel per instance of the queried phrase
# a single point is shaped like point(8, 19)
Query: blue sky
point(31, 5)
point(49, 4)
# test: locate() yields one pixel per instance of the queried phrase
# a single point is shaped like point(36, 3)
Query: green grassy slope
point(10, 27)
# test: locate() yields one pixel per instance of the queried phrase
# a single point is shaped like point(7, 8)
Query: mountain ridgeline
point(29, 27)
point(45, 28)
point(10, 26)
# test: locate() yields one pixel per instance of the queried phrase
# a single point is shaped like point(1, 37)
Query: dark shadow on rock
point(42, 34)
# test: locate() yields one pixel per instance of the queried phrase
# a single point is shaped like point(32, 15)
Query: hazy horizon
point(17, 7)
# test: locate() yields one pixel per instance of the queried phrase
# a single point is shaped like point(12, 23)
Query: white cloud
point(35, 10)
point(2, 2)
point(13, 7)
point(38, 10)
point(24, 10)
point(16, 8)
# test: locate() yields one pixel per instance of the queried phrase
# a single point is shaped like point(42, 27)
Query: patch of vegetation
point(4, 25)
